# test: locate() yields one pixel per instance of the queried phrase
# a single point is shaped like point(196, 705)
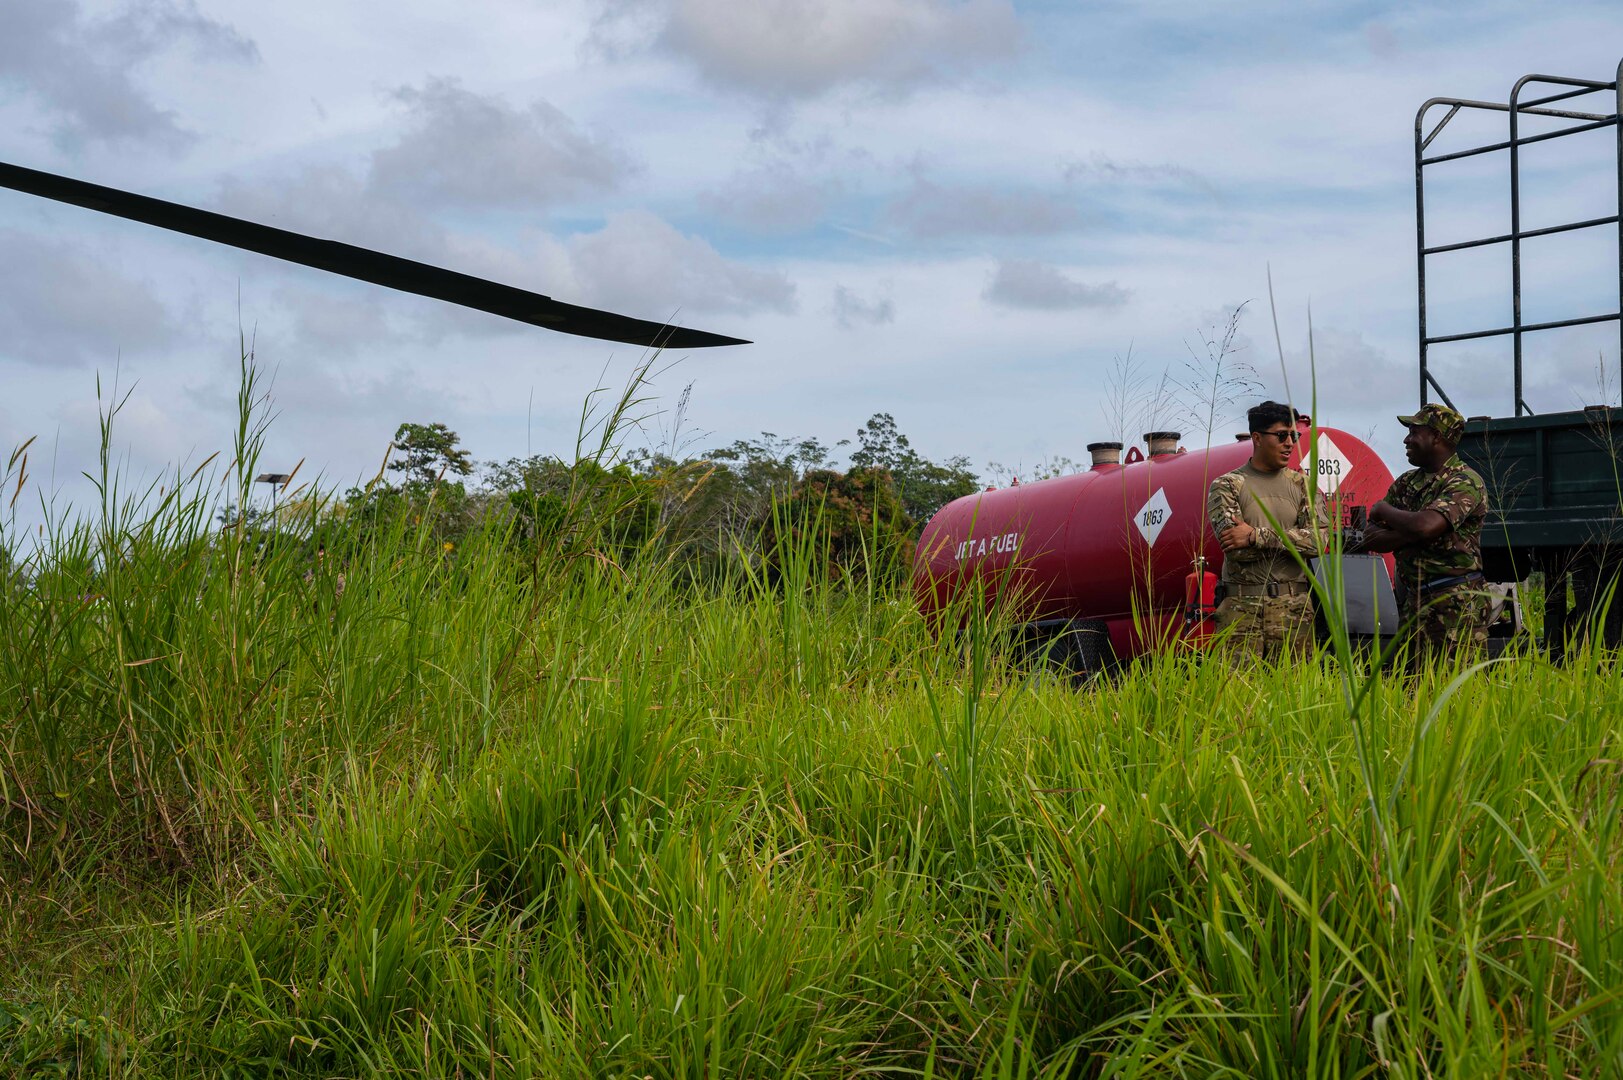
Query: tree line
point(747, 498)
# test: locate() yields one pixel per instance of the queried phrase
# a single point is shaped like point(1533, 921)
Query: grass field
point(507, 810)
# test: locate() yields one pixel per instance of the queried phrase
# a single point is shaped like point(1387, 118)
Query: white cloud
point(636, 263)
point(932, 211)
point(340, 322)
point(782, 49)
point(454, 152)
point(1037, 286)
point(1101, 168)
point(641, 264)
point(81, 72)
point(333, 316)
point(150, 434)
point(334, 203)
point(772, 199)
point(851, 309)
point(62, 305)
point(478, 150)
point(319, 394)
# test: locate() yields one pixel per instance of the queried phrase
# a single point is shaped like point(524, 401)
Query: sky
point(1016, 227)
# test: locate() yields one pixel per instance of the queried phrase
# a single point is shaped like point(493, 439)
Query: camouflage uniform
point(1267, 601)
point(1440, 583)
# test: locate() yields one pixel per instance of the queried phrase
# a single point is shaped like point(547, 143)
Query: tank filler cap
point(1105, 453)
point(1162, 443)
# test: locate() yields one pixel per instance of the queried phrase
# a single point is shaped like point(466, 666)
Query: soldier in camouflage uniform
point(1263, 515)
point(1432, 519)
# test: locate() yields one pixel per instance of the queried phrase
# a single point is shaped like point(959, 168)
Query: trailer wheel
point(1079, 648)
point(1090, 651)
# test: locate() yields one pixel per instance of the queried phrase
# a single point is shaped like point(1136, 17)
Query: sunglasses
point(1283, 436)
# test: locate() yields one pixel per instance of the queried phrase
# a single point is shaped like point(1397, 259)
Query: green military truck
point(1555, 480)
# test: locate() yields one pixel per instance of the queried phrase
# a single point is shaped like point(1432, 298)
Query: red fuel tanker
point(1111, 551)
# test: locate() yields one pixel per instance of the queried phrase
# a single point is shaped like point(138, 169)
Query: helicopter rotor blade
point(347, 260)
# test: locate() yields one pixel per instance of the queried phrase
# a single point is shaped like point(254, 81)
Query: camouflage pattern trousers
point(1267, 626)
point(1451, 623)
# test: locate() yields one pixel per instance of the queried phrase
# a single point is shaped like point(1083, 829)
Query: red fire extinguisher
point(1199, 600)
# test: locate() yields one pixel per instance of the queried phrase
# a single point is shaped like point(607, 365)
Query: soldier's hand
point(1236, 536)
point(1378, 513)
point(1381, 539)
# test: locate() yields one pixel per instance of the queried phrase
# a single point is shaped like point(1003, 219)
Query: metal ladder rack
point(1515, 109)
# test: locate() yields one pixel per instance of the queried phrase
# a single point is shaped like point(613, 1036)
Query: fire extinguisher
point(1199, 597)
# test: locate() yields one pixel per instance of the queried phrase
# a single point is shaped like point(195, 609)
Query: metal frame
point(1514, 110)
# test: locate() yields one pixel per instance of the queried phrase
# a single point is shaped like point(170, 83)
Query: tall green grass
point(514, 810)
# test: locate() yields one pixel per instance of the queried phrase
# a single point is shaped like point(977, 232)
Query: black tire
point(1088, 651)
point(1079, 649)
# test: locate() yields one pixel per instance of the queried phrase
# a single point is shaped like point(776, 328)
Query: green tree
point(424, 454)
point(880, 445)
point(860, 523)
point(427, 452)
point(580, 507)
point(759, 471)
point(923, 486)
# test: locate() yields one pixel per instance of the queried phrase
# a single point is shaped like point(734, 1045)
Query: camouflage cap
point(1448, 424)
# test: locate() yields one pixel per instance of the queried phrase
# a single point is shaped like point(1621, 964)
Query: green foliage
point(770, 463)
point(426, 452)
point(853, 521)
point(731, 503)
point(582, 506)
point(435, 514)
point(1045, 468)
point(924, 486)
point(754, 474)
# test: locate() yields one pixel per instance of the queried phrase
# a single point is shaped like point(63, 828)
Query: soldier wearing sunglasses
point(1263, 515)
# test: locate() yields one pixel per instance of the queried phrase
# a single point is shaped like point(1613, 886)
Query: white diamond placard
point(1152, 517)
point(1333, 466)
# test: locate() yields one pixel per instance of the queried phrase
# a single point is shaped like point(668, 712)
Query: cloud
point(319, 394)
point(784, 49)
point(934, 211)
point(641, 264)
point(64, 306)
point(1383, 41)
point(335, 204)
point(337, 324)
point(462, 148)
point(336, 317)
point(636, 263)
point(150, 433)
point(1562, 370)
point(476, 150)
point(80, 71)
point(1351, 370)
point(851, 310)
point(1037, 286)
point(775, 198)
point(1105, 169)
point(147, 27)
